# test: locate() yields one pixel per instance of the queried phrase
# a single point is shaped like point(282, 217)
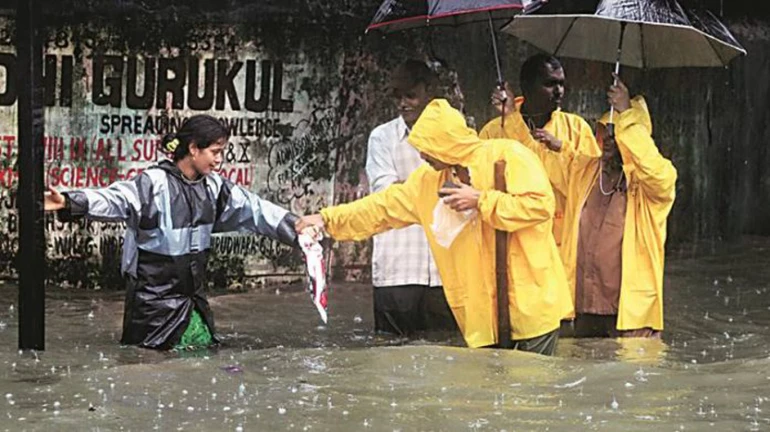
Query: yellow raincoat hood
point(441, 132)
point(639, 116)
point(538, 293)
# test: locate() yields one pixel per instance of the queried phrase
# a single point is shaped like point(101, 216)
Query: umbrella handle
point(494, 48)
point(611, 124)
point(500, 82)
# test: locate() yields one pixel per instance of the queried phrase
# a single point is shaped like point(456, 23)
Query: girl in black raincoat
point(170, 211)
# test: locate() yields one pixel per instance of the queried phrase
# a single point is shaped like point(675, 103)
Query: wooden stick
point(501, 269)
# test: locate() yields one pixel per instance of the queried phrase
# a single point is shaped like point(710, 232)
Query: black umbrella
point(394, 15)
point(639, 33)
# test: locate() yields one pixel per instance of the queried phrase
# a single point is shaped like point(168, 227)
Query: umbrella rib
point(564, 36)
point(713, 48)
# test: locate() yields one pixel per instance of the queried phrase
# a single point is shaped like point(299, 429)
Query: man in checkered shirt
point(408, 296)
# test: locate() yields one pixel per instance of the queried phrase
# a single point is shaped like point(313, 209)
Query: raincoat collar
point(174, 170)
point(518, 101)
point(441, 132)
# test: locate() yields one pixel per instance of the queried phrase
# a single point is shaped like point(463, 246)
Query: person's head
point(412, 85)
point(610, 152)
point(442, 136)
point(200, 142)
point(542, 84)
point(433, 162)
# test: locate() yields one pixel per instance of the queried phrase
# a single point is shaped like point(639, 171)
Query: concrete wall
point(302, 87)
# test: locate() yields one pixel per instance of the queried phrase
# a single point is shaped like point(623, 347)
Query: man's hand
point(618, 96)
point(312, 222)
point(545, 137)
point(461, 198)
point(498, 97)
point(53, 200)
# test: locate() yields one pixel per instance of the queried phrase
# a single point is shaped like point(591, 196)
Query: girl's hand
point(53, 200)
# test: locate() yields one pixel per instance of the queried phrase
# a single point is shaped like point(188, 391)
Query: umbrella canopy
point(637, 33)
point(394, 15)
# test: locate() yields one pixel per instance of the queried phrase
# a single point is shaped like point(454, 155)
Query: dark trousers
point(406, 309)
point(545, 344)
point(601, 326)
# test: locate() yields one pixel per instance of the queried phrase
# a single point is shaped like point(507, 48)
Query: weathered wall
point(302, 87)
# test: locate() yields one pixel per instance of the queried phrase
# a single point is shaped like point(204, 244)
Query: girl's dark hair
point(202, 129)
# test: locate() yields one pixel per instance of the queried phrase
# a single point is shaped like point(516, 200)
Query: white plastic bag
point(310, 243)
point(447, 223)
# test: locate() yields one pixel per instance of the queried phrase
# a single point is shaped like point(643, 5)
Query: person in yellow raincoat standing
point(461, 228)
point(537, 114)
point(619, 195)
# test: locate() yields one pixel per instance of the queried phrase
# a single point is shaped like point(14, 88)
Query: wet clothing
point(404, 273)
point(401, 256)
point(196, 335)
point(650, 193)
point(545, 344)
point(571, 129)
point(595, 326)
point(600, 241)
point(538, 292)
point(169, 222)
point(408, 309)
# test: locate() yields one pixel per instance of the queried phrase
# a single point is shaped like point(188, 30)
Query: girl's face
point(208, 159)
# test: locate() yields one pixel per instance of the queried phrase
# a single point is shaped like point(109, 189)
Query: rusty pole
point(30, 262)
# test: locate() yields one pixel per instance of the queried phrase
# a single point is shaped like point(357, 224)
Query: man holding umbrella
point(537, 114)
point(618, 200)
point(619, 196)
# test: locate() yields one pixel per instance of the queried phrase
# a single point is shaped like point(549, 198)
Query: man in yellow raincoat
point(619, 195)
point(538, 293)
point(537, 114)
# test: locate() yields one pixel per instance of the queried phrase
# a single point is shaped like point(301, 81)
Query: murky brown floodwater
point(281, 370)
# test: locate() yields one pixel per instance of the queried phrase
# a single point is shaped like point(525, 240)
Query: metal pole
point(611, 124)
point(500, 82)
point(31, 255)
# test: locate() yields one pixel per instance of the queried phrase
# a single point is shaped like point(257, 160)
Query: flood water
point(279, 369)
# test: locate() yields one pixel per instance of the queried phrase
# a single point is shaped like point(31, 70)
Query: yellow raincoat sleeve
point(656, 174)
point(394, 207)
point(577, 149)
point(529, 198)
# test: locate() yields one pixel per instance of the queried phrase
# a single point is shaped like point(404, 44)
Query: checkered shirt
point(402, 256)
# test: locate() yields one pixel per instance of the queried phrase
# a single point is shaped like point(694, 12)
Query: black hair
point(533, 67)
point(411, 73)
point(202, 129)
